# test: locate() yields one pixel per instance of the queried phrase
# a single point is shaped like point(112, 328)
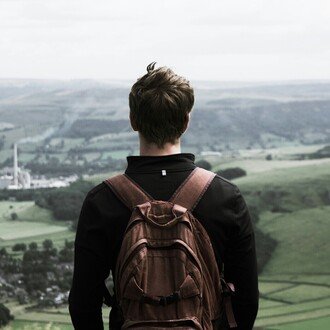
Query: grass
point(6, 153)
point(287, 190)
point(115, 154)
point(297, 278)
point(70, 143)
point(23, 229)
point(44, 317)
point(92, 156)
point(285, 309)
point(303, 241)
point(32, 221)
point(304, 307)
point(268, 304)
point(58, 239)
point(317, 324)
point(34, 325)
point(98, 178)
point(8, 207)
point(295, 284)
point(13, 136)
point(256, 166)
point(287, 177)
point(49, 319)
point(31, 212)
point(34, 224)
point(26, 157)
point(301, 293)
point(288, 318)
point(253, 160)
point(269, 287)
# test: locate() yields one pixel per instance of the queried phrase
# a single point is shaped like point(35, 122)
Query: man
point(160, 105)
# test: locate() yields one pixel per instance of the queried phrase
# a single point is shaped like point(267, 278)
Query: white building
point(14, 177)
point(17, 178)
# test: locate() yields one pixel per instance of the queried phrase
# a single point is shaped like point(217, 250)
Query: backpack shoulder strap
point(128, 191)
point(193, 188)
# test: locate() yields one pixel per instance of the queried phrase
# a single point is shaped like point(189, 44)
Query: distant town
point(15, 177)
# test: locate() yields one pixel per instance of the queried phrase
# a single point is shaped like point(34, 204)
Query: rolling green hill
point(295, 283)
point(72, 114)
point(83, 128)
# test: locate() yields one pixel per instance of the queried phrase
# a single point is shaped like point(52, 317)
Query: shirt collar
point(173, 162)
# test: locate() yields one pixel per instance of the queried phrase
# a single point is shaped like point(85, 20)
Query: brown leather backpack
point(166, 272)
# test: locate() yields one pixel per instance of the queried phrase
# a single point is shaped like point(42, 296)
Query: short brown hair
point(159, 105)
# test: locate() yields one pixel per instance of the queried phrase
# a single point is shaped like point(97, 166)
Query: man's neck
point(151, 149)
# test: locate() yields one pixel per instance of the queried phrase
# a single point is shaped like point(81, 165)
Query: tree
point(69, 244)
point(5, 316)
point(14, 216)
point(19, 247)
point(49, 249)
point(66, 255)
point(3, 252)
point(33, 246)
point(232, 173)
point(204, 164)
point(47, 244)
point(34, 270)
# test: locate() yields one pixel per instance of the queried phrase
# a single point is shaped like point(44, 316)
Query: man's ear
point(133, 124)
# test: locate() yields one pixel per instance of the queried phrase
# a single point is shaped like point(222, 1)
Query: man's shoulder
point(101, 187)
point(101, 194)
point(220, 189)
point(224, 185)
point(225, 182)
point(221, 183)
point(97, 189)
point(221, 194)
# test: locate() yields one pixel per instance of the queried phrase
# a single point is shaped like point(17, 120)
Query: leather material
point(166, 272)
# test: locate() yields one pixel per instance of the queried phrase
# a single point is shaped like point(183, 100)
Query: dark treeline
point(65, 203)
point(88, 128)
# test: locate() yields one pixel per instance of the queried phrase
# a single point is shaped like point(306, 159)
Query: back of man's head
point(160, 102)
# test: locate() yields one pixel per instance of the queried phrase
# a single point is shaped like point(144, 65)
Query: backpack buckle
point(165, 300)
point(226, 289)
point(162, 301)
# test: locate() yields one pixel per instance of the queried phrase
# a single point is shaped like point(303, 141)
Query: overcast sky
point(202, 40)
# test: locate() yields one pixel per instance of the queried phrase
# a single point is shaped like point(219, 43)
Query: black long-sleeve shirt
point(103, 218)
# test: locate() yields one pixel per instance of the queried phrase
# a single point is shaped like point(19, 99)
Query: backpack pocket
point(185, 302)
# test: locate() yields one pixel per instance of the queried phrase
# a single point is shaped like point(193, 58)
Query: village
point(39, 276)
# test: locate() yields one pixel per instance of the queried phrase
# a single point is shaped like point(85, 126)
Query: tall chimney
point(15, 165)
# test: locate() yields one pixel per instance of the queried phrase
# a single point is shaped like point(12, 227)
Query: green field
point(319, 323)
point(70, 143)
point(24, 229)
point(32, 221)
point(295, 283)
point(92, 156)
point(302, 236)
point(116, 154)
point(50, 319)
point(27, 325)
point(98, 178)
point(34, 224)
point(286, 176)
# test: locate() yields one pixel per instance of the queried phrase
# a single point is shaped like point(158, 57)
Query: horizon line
point(321, 80)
